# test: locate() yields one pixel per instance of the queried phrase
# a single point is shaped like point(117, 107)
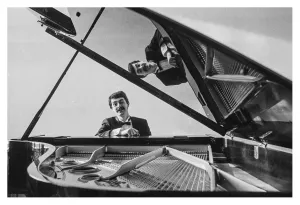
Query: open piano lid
point(246, 98)
point(240, 96)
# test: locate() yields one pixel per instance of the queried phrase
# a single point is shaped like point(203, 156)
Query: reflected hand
point(172, 61)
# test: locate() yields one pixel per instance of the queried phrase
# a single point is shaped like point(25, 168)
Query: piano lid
point(236, 90)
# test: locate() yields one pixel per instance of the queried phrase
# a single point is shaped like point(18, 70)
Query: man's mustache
point(120, 109)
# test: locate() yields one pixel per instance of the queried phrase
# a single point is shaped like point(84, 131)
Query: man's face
point(119, 106)
point(144, 68)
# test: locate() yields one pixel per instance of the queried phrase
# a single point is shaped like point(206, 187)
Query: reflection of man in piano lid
point(122, 124)
point(163, 60)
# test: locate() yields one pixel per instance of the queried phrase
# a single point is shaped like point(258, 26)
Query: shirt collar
point(127, 120)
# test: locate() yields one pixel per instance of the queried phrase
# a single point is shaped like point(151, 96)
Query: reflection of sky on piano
point(36, 60)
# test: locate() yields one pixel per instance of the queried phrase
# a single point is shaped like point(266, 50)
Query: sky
point(36, 60)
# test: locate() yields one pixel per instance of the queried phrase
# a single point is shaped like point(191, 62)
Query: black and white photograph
point(149, 102)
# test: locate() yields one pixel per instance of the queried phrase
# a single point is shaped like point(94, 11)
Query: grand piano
point(247, 104)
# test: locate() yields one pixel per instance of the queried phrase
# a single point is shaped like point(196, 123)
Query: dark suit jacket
point(172, 76)
point(111, 123)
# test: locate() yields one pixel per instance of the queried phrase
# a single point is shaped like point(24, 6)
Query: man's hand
point(125, 131)
point(115, 132)
point(130, 132)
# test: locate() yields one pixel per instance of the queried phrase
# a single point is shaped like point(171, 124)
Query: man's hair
point(119, 94)
point(132, 70)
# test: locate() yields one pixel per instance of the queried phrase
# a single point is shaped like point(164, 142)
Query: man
point(163, 60)
point(122, 125)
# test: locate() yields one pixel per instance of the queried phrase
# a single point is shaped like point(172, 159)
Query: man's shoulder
point(138, 118)
point(109, 119)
